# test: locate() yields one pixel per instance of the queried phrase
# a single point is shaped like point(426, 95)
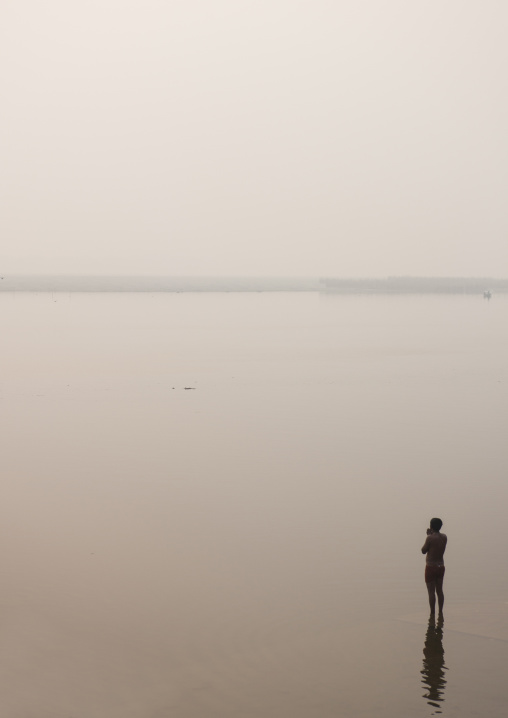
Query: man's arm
point(426, 545)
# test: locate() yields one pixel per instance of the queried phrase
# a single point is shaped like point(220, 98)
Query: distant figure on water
point(434, 547)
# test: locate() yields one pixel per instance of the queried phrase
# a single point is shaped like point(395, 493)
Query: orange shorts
point(433, 573)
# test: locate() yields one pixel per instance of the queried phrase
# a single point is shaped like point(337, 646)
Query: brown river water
point(212, 505)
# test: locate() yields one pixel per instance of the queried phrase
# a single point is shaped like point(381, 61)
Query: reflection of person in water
point(434, 668)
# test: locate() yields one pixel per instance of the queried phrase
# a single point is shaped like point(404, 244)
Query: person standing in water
point(434, 547)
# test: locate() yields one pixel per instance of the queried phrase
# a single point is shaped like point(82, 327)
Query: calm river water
point(213, 505)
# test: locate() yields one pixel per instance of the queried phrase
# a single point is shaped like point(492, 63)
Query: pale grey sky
point(350, 138)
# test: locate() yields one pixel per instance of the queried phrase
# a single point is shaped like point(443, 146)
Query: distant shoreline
point(157, 284)
point(328, 285)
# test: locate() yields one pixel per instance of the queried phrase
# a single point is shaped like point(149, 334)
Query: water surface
point(213, 504)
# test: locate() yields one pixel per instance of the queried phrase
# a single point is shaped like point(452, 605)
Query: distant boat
point(487, 294)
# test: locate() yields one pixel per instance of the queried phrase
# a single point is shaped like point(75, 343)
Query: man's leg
point(440, 594)
point(431, 588)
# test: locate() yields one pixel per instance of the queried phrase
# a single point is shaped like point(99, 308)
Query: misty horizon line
point(321, 277)
point(214, 283)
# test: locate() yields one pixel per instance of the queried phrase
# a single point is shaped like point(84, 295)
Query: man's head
point(435, 524)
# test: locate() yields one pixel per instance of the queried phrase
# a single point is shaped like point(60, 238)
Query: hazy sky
point(351, 138)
